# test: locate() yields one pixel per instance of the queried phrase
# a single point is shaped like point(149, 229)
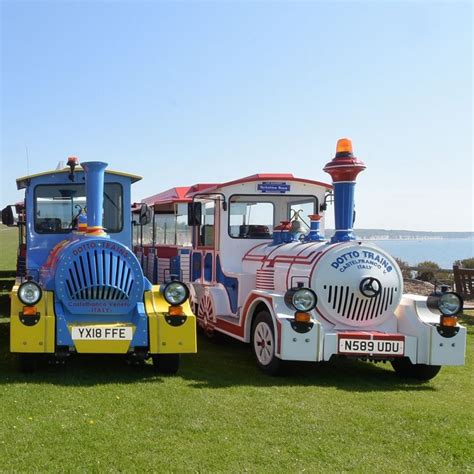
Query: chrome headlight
point(301, 299)
point(29, 293)
point(175, 293)
point(448, 303)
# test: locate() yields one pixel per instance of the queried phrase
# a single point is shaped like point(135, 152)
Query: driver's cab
point(201, 233)
point(55, 204)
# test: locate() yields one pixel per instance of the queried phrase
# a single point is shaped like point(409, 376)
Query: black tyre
point(28, 363)
point(405, 368)
point(263, 344)
point(167, 364)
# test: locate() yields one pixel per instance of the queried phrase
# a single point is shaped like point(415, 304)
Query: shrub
point(404, 267)
point(427, 270)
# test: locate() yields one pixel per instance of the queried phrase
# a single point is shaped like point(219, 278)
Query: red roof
point(185, 194)
point(171, 195)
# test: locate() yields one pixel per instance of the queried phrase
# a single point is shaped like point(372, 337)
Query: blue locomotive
point(79, 287)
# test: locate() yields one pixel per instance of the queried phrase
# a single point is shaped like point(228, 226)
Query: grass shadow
point(227, 363)
point(230, 363)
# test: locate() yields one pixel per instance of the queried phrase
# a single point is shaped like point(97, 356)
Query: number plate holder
point(371, 344)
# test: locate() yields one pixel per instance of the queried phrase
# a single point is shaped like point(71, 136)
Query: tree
point(466, 263)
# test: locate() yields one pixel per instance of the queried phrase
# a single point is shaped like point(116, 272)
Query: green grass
point(221, 414)
point(8, 247)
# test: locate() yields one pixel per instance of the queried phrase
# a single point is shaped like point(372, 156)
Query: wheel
point(404, 368)
point(28, 363)
point(166, 363)
point(263, 344)
point(206, 315)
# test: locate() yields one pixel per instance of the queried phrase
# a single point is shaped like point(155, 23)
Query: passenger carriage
point(79, 288)
point(261, 271)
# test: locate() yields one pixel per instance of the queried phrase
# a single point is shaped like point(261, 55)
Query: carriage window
point(250, 219)
point(183, 231)
point(136, 234)
point(165, 229)
point(147, 233)
point(58, 206)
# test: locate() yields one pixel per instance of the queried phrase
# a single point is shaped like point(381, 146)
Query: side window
point(136, 234)
point(147, 233)
point(183, 231)
point(206, 229)
point(164, 229)
point(250, 220)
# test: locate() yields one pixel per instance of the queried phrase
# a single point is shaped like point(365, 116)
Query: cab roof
point(23, 181)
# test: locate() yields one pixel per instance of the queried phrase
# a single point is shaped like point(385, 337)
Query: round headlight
point(175, 293)
point(301, 299)
point(29, 293)
point(450, 303)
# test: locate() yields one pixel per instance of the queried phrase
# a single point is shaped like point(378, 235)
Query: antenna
point(27, 161)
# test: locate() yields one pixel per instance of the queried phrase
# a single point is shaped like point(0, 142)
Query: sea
point(444, 252)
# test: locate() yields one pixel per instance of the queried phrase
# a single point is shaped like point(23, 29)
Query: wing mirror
point(8, 218)
point(194, 213)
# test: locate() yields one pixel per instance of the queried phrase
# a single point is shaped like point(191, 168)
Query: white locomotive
point(261, 271)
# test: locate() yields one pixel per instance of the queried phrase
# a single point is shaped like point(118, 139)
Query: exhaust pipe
point(344, 169)
point(94, 172)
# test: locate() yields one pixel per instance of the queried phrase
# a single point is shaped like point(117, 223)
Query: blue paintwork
point(314, 234)
point(276, 237)
point(208, 267)
point(94, 191)
point(231, 285)
point(175, 267)
point(39, 245)
point(137, 317)
point(343, 211)
point(196, 262)
point(97, 280)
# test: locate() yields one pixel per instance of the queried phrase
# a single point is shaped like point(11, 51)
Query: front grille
point(348, 304)
point(99, 275)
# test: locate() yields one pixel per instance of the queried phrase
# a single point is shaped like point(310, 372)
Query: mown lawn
point(8, 247)
point(221, 414)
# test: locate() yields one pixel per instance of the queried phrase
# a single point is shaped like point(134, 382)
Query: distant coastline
point(384, 234)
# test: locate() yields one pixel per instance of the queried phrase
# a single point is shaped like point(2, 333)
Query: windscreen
point(58, 206)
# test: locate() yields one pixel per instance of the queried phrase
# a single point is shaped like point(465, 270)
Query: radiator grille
point(99, 275)
point(348, 304)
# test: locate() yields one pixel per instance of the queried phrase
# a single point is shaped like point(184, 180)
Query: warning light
point(72, 161)
point(344, 145)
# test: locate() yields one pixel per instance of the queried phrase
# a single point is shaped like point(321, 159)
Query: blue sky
point(185, 92)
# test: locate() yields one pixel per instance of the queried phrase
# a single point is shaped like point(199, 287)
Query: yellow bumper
point(164, 337)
